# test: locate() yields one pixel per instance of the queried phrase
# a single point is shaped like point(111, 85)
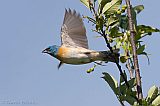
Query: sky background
point(30, 78)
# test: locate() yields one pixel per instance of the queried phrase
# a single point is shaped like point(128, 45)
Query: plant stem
point(135, 58)
point(110, 48)
point(129, 67)
point(117, 63)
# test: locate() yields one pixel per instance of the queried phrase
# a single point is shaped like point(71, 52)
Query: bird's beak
point(45, 51)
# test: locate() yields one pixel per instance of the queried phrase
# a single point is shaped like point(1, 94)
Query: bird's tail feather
point(108, 56)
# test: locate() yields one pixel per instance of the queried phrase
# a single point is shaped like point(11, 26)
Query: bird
point(74, 44)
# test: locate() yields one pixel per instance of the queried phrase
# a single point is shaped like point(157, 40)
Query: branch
point(108, 45)
point(135, 58)
point(117, 63)
point(129, 67)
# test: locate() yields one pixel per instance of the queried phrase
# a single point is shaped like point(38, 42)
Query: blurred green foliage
point(110, 18)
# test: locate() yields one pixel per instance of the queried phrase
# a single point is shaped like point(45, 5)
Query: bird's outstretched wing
point(73, 32)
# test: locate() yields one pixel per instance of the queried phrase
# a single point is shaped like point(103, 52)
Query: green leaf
point(144, 53)
point(124, 22)
point(111, 7)
point(85, 2)
point(99, 1)
point(138, 8)
point(134, 15)
point(114, 32)
point(145, 103)
point(131, 82)
point(144, 30)
point(152, 93)
point(100, 22)
point(121, 78)
point(111, 81)
point(102, 4)
point(147, 29)
point(111, 20)
point(131, 100)
point(118, 43)
point(125, 45)
point(156, 102)
point(90, 19)
point(140, 49)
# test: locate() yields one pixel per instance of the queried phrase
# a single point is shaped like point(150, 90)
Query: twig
point(109, 46)
point(117, 63)
point(135, 58)
point(129, 67)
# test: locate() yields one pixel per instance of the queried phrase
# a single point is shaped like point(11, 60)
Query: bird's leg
point(60, 64)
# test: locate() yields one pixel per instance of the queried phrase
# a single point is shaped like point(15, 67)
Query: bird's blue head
point(52, 50)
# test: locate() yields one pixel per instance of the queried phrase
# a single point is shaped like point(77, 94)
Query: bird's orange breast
point(62, 52)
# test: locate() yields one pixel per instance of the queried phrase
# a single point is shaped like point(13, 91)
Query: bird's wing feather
point(73, 32)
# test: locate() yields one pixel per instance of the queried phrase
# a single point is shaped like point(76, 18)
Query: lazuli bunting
point(74, 44)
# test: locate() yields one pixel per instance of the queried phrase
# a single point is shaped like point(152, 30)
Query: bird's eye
point(48, 49)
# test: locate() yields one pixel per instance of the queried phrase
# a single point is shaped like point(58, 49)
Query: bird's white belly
point(77, 59)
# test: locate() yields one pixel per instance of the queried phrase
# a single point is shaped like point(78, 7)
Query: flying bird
point(74, 44)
